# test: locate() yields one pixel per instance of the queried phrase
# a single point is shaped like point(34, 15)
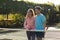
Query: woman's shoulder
point(33, 16)
point(25, 18)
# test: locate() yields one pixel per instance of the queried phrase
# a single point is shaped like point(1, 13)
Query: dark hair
point(38, 7)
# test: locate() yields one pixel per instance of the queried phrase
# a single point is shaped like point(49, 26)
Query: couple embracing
point(35, 22)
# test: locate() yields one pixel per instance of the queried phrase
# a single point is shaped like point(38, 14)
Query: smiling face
point(37, 9)
point(30, 13)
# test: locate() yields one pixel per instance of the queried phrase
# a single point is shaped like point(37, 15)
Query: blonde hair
point(31, 11)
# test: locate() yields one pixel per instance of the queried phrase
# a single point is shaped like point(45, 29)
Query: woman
point(29, 24)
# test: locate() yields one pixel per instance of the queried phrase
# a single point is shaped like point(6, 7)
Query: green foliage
point(17, 19)
point(17, 10)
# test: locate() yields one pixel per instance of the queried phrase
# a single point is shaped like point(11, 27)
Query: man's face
point(37, 11)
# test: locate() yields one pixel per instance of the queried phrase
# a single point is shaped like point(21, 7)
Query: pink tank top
point(29, 23)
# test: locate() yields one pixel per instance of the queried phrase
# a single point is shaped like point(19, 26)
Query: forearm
point(44, 24)
point(25, 24)
point(45, 27)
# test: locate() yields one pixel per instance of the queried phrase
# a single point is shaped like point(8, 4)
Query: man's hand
point(46, 28)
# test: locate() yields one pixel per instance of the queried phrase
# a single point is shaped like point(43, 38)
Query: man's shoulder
point(41, 14)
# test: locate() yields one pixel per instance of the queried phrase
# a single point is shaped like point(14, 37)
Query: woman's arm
point(25, 23)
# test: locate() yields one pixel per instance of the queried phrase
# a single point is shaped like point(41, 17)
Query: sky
point(56, 2)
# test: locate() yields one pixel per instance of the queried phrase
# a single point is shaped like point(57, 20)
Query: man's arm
point(45, 27)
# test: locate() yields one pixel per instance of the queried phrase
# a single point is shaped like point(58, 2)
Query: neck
point(38, 13)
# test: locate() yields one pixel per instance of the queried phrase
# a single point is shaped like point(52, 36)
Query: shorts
point(40, 34)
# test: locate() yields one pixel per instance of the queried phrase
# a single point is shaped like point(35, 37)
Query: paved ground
point(19, 34)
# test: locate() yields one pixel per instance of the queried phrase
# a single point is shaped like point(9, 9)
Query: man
point(40, 23)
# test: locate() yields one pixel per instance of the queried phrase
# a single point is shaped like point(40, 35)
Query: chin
point(36, 13)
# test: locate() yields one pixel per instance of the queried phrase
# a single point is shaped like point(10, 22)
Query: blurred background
point(12, 12)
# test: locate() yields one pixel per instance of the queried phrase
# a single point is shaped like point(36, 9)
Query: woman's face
point(29, 14)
